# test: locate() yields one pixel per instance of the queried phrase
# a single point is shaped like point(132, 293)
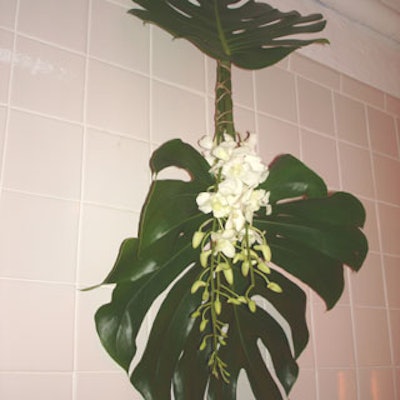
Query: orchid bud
point(228, 273)
point(197, 238)
point(266, 251)
point(203, 325)
point(245, 268)
point(252, 306)
point(263, 268)
point(196, 286)
point(204, 258)
point(217, 306)
point(274, 287)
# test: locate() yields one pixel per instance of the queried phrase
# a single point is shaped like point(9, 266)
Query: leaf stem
point(223, 118)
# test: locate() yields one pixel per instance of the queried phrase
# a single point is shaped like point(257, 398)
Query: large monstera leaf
point(312, 236)
point(251, 35)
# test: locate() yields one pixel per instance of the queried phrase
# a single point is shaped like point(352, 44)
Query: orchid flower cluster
point(229, 239)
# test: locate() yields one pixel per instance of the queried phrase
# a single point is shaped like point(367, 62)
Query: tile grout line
point(81, 206)
point(382, 259)
point(347, 274)
point(309, 301)
point(9, 95)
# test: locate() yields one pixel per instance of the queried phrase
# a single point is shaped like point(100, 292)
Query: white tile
point(7, 13)
point(48, 80)
point(108, 386)
point(52, 20)
point(118, 100)
point(177, 113)
point(177, 61)
point(103, 230)
point(3, 117)
point(43, 156)
point(117, 170)
point(24, 386)
point(119, 37)
point(6, 46)
point(38, 238)
point(39, 324)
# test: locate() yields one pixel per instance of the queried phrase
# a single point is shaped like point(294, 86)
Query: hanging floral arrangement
point(223, 246)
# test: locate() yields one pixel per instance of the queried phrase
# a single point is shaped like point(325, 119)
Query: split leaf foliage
point(250, 35)
point(312, 235)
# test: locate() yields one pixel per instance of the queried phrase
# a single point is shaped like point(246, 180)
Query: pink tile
point(376, 384)
point(320, 155)
point(3, 118)
point(367, 284)
point(387, 177)
point(351, 120)
point(119, 37)
point(242, 87)
point(189, 71)
point(392, 275)
point(333, 326)
point(102, 231)
point(108, 385)
point(177, 113)
point(382, 132)
point(356, 170)
point(118, 100)
point(393, 105)
point(305, 386)
point(48, 80)
point(50, 386)
point(371, 226)
point(43, 20)
point(315, 107)
point(91, 356)
point(362, 92)
point(46, 230)
point(6, 46)
point(276, 93)
point(395, 330)
point(337, 384)
point(7, 14)
point(43, 156)
point(390, 228)
point(117, 172)
point(372, 337)
point(244, 121)
point(39, 329)
point(277, 137)
point(314, 71)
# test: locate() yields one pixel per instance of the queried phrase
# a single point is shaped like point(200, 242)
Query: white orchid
point(228, 241)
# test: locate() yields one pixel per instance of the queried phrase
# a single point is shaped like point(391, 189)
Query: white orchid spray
point(228, 239)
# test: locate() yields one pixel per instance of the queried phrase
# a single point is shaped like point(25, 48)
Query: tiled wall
point(86, 93)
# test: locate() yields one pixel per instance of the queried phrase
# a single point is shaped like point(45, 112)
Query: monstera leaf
point(251, 35)
point(311, 234)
